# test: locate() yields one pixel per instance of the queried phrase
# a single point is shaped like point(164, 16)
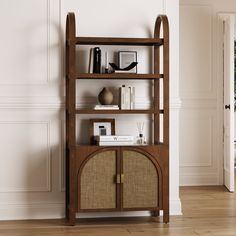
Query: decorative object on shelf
point(127, 69)
point(105, 97)
point(128, 58)
point(141, 140)
point(96, 60)
point(101, 127)
point(127, 97)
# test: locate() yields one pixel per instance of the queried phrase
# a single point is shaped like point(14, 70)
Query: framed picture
point(126, 58)
point(101, 127)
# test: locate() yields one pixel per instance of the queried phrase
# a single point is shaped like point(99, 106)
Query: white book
point(125, 97)
point(106, 107)
point(112, 143)
point(115, 138)
point(132, 102)
point(90, 68)
point(122, 71)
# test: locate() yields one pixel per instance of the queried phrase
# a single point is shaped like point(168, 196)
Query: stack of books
point(127, 97)
point(106, 107)
point(114, 140)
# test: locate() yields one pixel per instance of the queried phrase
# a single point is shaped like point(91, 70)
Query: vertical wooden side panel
point(70, 118)
point(162, 19)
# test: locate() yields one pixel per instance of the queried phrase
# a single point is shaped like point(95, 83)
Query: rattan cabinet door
point(97, 186)
point(140, 185)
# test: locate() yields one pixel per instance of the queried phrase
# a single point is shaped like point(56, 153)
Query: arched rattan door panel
point(140, 185)
point(97, 187)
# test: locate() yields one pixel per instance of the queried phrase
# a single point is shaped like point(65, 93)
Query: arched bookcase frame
point(159, 149)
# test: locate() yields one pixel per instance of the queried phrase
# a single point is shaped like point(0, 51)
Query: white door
point(229, 102)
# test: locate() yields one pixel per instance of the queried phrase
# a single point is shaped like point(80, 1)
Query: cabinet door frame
point(159, 173)
point(86, 157)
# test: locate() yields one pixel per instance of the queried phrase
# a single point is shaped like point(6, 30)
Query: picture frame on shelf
point(101, 127)
point(125, 58)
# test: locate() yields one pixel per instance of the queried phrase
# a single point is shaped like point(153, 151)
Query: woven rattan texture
point(98, 190)
point(140, 181)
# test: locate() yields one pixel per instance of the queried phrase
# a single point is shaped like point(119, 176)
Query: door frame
point(220, 100)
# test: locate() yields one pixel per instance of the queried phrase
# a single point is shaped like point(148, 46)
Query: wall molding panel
point(199, 149)
point(196, 78)
point(47, 165)
point(43, 210)
point(199, 115)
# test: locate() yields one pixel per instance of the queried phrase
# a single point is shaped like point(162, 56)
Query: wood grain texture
point(122, 76)
point(118, 41)
point(207, 211)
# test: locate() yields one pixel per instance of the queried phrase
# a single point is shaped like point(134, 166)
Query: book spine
point(132, 103)
point(122, 97)
point(115, 143)
point(90, 69)
point(125, 98)
point(129, 98)
point(115, 138)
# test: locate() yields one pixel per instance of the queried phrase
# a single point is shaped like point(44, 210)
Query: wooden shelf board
point(118, 41)
point(96, 146)
point(119, 76)
point(135, 111)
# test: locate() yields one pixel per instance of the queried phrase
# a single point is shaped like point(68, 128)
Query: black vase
point(97, 60)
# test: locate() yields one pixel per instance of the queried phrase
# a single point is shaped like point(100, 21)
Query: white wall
point(32, 94)
point(201, 92)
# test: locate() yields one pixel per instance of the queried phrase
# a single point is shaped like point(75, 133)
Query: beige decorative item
point(105, 97)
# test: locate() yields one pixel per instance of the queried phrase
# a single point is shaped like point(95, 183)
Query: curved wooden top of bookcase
point(163, 20)
point(72, 39)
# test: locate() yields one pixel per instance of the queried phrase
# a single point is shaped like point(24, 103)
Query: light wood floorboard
point(207, 211)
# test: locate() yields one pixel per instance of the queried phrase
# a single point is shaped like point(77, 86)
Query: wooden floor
point(206, 211)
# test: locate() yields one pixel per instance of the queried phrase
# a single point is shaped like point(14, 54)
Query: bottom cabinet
point(119, 179)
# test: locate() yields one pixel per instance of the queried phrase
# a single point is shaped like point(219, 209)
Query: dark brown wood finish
point(70, 120)
point(135, 111)
point(118, 41)
point(163, 20)
point(78, 155)
point(122, 76)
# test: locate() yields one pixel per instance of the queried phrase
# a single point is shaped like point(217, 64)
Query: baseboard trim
point(57, 211)
point(32, 211)
point(199, 180)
